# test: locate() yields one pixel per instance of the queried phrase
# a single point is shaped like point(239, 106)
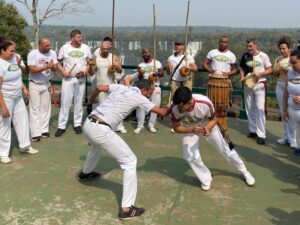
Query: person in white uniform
point(221, 64)
point(99, 129)
point(75, 56)
point(41, 63)
point(193, 115)
point(105, 69)
point(256, 62)
point(147, 70)
point(291, 101)
point(12, 106)
point(280, 70)
point(175, 62)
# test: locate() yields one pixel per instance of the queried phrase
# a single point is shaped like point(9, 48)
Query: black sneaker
point(89, 176)
point(35, 139)
point(252, 135)
point(133, 212)
point(78, 130)
point(46, 135)
point(260, 141)
point(59, 132)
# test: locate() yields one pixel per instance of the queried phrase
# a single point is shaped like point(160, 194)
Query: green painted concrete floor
point(43, 188)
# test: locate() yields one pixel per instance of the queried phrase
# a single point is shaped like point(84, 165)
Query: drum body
point(219, 89)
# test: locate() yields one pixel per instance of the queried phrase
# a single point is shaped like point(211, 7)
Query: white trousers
point(19, 117)
point(156, 99)
point(289, 132)
point(190, 146)
point(39, 108)
point(71, 87)
point(255, 109)
point(294, 116)
point(103, 139)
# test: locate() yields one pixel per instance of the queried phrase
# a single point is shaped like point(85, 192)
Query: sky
point(232, 13)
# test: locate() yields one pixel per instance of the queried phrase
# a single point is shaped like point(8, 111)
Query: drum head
point(251, 80)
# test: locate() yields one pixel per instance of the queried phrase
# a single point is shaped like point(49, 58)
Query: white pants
point(294, 116)
point(289, 132)
point(255, 109)
point(103, 139)
point(19, 117)
point(156, 99)
point(190, 144)
point(39, 108)
point(71, 87)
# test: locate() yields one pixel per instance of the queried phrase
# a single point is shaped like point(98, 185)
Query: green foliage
point(12, 25)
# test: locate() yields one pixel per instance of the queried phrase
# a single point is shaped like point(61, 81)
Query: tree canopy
point(12, 25)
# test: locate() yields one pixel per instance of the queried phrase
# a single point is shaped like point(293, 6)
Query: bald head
point(44, 45)
point(105, 47)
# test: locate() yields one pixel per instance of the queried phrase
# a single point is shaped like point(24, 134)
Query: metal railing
point(198, 90)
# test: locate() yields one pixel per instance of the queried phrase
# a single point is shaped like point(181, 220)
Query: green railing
point(198, 90)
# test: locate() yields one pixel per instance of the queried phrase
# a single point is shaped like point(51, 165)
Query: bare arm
point(3, 107)
point(98, 89)
point(242, 74)
point(117, 64)
point(36, 69)
point(193, 67)
point(169, 68)
point(265, 73)
point(128, 80)
point(205, 64)
point(161, 111)
point(62, 71)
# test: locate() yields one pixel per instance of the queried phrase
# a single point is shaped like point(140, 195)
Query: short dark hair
point(144, 84)
point(296, 53)
point(107, 39)
point(285, 40)
point(253, 40)
point(74, 33)
point(5, 44)
point(182, 95)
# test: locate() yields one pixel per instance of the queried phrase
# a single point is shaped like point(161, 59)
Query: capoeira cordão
point(194, 115)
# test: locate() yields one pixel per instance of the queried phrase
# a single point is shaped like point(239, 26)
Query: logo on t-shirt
point(13, 68)
point(148, 69)
point(221, 58)
point(189, 119)
point(253, 63)
point(76, 54)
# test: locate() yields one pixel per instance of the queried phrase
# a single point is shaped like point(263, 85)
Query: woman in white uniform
point(12, 106)
point(280, 71)
point(291, 102)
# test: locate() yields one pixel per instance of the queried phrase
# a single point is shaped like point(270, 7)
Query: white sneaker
point(5, 159)
point(137, 130)
point(172, 130)
point(293, 145)
point(123, 130)
point(29, 150)
point(282, 141)
point(205, 187)
point(152, 129)
point(249, 178)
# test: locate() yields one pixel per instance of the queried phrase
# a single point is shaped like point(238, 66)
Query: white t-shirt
point(221, 61)
point(202, 111)
point(38, 59)
point(72, 56)
point(148, 68)
point(174, 60)
point(121, 100)
point(293, 88)
point(12, 78)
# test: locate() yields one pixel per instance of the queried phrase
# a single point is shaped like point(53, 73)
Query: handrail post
point(243, 114)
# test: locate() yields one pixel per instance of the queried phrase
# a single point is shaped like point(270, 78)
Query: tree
point(12, 25)
point(54, 9)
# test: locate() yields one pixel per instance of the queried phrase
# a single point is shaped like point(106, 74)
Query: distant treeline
point(208, 35)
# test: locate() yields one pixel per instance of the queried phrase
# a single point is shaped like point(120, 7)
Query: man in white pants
point(41, 63)
point(74, 56)
point(258, 63)
point(194, 115)
point(99, 128)
point(153, 71)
